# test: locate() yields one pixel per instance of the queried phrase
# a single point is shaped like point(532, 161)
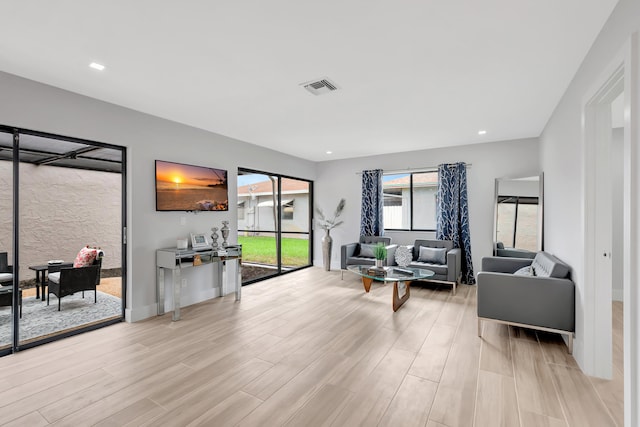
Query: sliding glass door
point(274, 225)
point(67, 199)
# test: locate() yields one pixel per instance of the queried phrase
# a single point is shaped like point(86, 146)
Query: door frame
point(596, 336)
point(278, 232)
point(16, 132)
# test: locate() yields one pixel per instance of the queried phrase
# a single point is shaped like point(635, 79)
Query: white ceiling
point(412, 74)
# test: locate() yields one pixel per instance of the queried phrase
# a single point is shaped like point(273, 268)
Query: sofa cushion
point(366, 250)
point(54, 277)
point(524, 271)
point(438, 269)
point(432, 255)
point(547, 265)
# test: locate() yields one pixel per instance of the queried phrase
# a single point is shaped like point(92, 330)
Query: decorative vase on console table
point(225, 233)
point(214, 237)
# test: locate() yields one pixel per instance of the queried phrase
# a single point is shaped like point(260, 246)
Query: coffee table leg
point(397, 299)
point(366, 282)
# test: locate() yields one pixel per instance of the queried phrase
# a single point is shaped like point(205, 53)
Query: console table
point(175, 260)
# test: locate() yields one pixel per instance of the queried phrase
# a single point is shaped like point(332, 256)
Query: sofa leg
point(570, 342)
point(479, 327)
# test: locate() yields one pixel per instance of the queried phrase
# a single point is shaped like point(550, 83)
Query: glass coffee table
point(400, 276)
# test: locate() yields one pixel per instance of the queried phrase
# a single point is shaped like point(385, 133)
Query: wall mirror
point(518, 216)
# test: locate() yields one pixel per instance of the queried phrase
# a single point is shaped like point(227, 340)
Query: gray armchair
point(360, 253)
point(440, 257)
point(531, 293)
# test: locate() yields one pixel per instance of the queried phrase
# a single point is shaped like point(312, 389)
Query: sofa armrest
point(530, 300)
point(391, 255)
point(499, 264)
point(346, 252)
point(454, 264)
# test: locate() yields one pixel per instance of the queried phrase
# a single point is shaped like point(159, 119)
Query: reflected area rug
point(39, 319)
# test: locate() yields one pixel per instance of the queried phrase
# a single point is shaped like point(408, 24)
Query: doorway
point(274, 224)
point(65, 196)
point(601, 212)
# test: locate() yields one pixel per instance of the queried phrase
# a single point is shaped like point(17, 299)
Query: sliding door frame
point(15, 341)
point(278, 231)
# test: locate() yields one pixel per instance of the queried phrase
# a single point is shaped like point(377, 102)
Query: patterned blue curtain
point(371, 213)
point(453, 213)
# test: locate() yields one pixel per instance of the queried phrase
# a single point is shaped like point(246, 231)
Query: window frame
point(411, 198)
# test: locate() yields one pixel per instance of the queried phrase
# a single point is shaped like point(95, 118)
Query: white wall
point(32, 105)
point(341, 178)
point(561, 159)
point(61, 211)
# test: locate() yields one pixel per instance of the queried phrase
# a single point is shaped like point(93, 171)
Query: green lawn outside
point(262, 250)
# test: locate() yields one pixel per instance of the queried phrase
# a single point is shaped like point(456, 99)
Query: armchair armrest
point(454, 264)
point(346, 252)
point(504, 264)
point(391, 255)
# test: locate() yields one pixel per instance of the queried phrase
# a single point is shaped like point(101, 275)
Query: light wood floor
point(109, 285)
point(308, 349)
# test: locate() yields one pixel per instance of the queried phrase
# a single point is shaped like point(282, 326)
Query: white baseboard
point(140, 313)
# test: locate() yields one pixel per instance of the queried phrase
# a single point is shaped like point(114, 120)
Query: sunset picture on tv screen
point(182, 187)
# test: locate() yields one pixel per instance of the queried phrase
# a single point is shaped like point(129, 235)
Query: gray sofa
point(357, 254)
point(532, 293)
point(447, 269)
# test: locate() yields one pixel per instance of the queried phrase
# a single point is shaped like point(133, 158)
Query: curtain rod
point(412, 170)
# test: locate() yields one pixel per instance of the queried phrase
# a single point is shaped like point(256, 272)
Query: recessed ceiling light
point(482, 132)
point(329, 152)
point(96, 66)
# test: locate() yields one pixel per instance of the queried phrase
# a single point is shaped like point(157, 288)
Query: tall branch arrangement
point(329, 223)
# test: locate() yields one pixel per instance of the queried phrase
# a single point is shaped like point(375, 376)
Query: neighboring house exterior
point(256, 213)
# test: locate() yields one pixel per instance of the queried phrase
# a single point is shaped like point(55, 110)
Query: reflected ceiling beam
point(69, 155)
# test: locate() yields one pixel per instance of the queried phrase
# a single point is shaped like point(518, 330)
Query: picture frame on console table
point(199, 241)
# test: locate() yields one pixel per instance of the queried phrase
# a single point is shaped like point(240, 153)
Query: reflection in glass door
point(274, 226)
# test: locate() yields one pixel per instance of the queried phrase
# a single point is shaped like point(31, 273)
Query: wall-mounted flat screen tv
point(181, 187)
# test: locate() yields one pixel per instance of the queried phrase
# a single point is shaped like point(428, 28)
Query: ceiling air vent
point(320, 87)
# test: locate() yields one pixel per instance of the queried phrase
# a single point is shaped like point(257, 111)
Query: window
point(287, 210)
point(410, 201)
